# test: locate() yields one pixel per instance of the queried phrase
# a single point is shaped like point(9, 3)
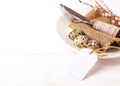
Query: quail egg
point(74, 33)
point(93, 44)
point(80, 41)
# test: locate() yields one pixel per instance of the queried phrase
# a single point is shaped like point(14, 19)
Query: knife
point(73, 16)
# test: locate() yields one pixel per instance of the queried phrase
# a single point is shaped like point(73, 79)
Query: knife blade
point(73, 16)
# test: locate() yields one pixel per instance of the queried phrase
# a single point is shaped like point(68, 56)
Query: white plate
point(63, 31)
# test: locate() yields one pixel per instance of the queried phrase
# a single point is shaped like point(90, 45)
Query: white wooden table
point(31, 52)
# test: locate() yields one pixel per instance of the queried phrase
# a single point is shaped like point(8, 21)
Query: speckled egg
point(74, 33)
point(80, 41)
point(93, 44)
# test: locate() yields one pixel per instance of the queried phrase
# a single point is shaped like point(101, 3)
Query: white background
point(29, 44)
point(32, 53)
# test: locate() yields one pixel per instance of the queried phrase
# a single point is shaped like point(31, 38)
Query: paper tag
point(82, 63)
